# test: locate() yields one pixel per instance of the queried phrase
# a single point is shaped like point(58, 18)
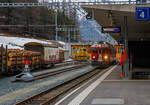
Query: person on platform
point(122, 64)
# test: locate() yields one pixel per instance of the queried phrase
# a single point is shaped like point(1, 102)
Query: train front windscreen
point(94, 54)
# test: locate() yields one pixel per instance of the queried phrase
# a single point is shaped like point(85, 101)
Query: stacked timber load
point(25, 56)
point(16, 59)
point(34, 58)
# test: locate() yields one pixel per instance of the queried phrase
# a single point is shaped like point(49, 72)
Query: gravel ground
point(9, 89)
point(6, 86)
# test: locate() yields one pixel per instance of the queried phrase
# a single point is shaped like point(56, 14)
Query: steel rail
point(48, 96)
point(45, 75)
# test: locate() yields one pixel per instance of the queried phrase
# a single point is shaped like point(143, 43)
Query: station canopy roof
point(113, 15)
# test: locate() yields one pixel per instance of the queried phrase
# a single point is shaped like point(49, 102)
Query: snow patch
point(63, 43)
point(17, 42)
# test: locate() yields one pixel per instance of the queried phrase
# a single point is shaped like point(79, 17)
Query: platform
point(112, 90)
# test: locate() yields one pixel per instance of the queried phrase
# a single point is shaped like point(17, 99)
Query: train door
point(78, 54)
point(112, 54)
point(94, 53)
point(119, 53)
point(84, 52)
point(100, 54)
point(73, 52)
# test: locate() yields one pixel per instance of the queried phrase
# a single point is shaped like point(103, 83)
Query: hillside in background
point(90, 30)
point(28, 19)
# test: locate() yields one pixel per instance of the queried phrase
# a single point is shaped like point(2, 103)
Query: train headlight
point(105, 57)
point(93, 56)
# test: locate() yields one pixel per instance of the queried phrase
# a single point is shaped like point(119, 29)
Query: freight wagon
point(38, 55)
point(50, 54)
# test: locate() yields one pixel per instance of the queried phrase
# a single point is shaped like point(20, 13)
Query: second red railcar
point(102, 54)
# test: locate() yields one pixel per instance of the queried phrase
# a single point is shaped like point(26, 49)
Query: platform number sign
point(142, 13)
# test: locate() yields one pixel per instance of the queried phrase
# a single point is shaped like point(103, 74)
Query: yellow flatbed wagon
point(80, 52)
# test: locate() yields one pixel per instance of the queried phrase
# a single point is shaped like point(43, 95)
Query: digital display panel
point(111, 29)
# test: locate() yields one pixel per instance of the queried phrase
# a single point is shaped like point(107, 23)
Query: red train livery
point(102, 54)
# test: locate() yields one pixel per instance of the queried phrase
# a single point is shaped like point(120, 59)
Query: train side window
point(73, 50)
point(79, 50)
point(84, 50)
point(118, 51)
point(103, 50)
point(76, 50)
point(115, 50)
point(94, 50)
point(106, 51)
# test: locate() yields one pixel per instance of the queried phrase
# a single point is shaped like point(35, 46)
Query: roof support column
point(126, 63)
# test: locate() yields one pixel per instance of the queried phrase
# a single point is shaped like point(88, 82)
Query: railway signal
point(25, 75)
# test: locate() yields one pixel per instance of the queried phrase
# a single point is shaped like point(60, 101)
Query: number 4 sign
point(142, 13)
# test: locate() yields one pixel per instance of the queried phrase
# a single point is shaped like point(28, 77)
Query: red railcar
point(102, 54)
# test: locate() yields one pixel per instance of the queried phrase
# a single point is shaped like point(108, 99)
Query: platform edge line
point(60, 101)
point(78, 99)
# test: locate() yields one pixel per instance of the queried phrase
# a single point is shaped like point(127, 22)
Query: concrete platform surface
point(112, 90)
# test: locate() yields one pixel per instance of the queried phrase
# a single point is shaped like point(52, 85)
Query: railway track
point(49, 96)
point(67, 63)
point(52, 73)
point(45, 75)
point(3, 75)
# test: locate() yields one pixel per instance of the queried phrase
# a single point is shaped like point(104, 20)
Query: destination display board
point(111, 29)
point(142, 13)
